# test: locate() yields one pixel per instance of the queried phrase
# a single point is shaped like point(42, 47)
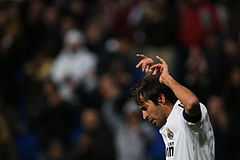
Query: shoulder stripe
point(181, 105)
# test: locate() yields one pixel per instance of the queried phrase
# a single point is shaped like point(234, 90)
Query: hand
point(161, 68)
point(145, 63)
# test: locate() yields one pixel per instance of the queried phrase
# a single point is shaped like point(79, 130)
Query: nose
point(144, 114)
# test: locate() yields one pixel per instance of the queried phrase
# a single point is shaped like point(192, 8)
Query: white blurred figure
point(75, 65)
point(131, 134)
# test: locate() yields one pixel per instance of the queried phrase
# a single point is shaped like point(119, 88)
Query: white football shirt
point(185, 140)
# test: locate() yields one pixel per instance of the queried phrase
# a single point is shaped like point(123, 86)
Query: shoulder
point(203, 123)
point(179, 107)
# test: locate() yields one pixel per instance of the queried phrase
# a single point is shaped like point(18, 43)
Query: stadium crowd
point(67, 69)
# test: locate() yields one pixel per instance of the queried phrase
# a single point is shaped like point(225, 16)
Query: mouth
point(154, 122)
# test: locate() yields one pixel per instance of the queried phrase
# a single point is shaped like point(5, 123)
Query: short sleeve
point(204, 119)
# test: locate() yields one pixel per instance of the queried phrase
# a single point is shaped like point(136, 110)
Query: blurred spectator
point(67, 23)
point(56, 119)
point(159, 21)
point(157, 29)
point(95, 36)
point(12, 53)
point(223, 14)
point(33, 27)
point(234, 24)
point(52, 38)
point(131, 137)
point(55, 151)
point(120, 14)
point(92, 140)
point(197, 19)
point(215, 62)
point(196, 71)
point(39, 68)
point(231, 55)
point(79, 11)
point(7, 147)
point(220, 122)
point(232, 94)
point(74, 66)
point(27, 143)
point(119, 62)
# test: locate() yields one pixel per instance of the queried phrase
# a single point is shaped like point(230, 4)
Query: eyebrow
point(140, 102)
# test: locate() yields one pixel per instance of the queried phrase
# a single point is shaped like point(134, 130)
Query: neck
point(168, 108)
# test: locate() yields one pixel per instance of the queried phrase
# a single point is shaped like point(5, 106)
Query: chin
point(160, 124)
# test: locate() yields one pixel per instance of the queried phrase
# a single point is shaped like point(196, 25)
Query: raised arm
point(188, 98)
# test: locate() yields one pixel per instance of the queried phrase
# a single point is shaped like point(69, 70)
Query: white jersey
point(185, 140)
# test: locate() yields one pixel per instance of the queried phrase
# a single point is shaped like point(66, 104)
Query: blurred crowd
point(67, 69)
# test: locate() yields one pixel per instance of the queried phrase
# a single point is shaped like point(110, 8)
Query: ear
point(161, 99)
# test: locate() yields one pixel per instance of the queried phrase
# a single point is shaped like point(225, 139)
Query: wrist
point(168, 81)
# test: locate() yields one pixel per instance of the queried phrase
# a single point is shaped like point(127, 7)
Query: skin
point(158, 113)
point(155, 114)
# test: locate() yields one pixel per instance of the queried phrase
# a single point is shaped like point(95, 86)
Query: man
point(185, 124)
point(74, 67)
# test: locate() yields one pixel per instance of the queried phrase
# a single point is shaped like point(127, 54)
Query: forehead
point(143, 101)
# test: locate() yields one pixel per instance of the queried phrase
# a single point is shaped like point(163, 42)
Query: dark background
point(67, 68)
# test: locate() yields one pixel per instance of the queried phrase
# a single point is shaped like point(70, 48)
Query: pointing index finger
point(161, 60)
point(141, 55)
point(139, 64)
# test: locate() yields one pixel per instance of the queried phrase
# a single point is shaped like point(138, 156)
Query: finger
point(141, 55)
point(161, 60)
point(144, 66)
point(155, 71)
point(147, 68)
point(139, 64)
point(155, 66)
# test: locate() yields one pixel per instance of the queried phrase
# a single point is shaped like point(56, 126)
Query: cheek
point(159, 117)
point(157, 114)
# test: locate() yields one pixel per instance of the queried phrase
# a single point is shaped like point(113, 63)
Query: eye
point(142, 108)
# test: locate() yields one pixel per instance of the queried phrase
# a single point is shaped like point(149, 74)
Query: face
point(56, 151)
point(153, 113)
point(90, 119)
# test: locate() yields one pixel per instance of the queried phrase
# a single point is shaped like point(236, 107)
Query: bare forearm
point(187, 97)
